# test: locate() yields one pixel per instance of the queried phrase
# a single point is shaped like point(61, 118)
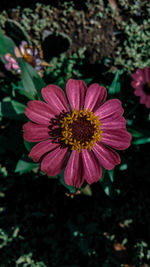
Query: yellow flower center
point(80, 129)
point(29, 59)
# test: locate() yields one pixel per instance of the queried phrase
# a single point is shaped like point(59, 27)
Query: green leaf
point(106, 182)
point(28, 145)
point(6, 44)
point(141, 141)
point(111, 175)
point(16, 31)
point(18, 107)
point(12, 109)
point(28, 84)
point(31, 80)
point(115, 86)
point(24, 166)
point(135, 133)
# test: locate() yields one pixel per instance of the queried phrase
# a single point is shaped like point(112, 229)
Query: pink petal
point(9, 58)
point(95, 97)
point(110, 110)
point(54, 161)
point(15, 66)
point(136, 84)
point(138, 76)
point(56, 98)
point(73, 174)
point(106, 156)
point(76, 90)
point(139, 91)
point(118, 139)
point(39, 112)
point(115, 124)
point(42, 148)
point(35, 132)
point(92, 170)
point(147, 73)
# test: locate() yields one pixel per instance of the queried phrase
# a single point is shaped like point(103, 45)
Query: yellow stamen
point(67, 129)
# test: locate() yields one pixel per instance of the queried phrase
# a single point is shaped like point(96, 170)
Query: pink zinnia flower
point(86, 133)
point(141, 83)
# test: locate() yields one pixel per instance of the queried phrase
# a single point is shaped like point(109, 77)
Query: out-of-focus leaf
point(140, 136)
point(12, 109)
point(115, 86)
point(135, 133)
point(6, 44)
point(28, 145)
point(141, 141)
point(28, 84)
point(87, 81)
point(24, 166)
point(106, 182)
point(18, 107)
point(111, 175)
point(31, 80)
point(16, 31)
point(123, 167)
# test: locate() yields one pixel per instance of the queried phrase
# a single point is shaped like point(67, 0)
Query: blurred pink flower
point(85, 134)
point(32, 55)
point(11, 64)
point(141, 83)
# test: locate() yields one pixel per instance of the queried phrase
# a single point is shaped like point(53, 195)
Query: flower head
point(32, 55)
point(141, 83)
point(11, 64)
point(85, 133)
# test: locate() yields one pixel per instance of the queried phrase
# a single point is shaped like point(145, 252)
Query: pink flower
point(31, 54)
point(141, 83)
point(11, 64)
point(85, 134)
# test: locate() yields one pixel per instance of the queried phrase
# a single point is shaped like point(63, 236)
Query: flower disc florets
point(81, 129)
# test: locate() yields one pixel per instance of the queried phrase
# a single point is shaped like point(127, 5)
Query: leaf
point(6, 44)
point(12, 109)
point(28, 145)
point(28, 84)
point(115, 86)
point(24, 166)
point(135, 133)
point(31, 80)
point(18, 107)
point(16, 31)
point(106, 182)
point(141, 141)
point(111, 175)
point(141, 136)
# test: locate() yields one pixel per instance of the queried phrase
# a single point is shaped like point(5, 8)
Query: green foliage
point(107, 182)
point(63, 68)
point(114, 88)
point(12, 109)
point(133, 51)
point(32, 82)
point(6, 45)
point(24, 166)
